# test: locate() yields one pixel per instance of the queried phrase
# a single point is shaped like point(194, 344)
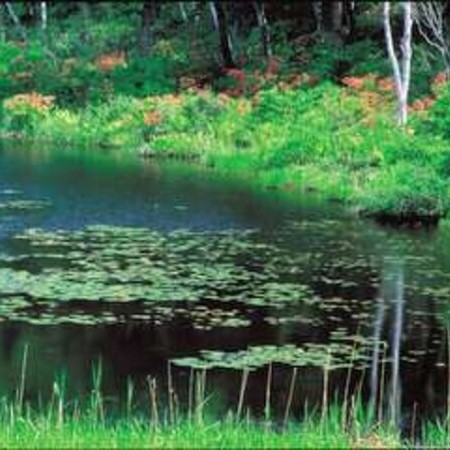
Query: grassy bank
point(155, 418)
point(337, 140)
point(64, 424)
point(82, 432)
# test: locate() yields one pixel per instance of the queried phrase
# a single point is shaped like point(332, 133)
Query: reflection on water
point(295, 273)
point(397, 274)
point(392, 292)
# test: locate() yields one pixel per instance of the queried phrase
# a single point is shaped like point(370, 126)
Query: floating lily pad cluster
point(200, 317)
point(10, 202)
point(126, 264)
point(23, 205)
point(332, 356)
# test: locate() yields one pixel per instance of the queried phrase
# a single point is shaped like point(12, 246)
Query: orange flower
point(223, 99)
point(421, 104)
point(273, 66)
point(32, 100)
point(353, 82)
point(428, 101)
point(110, 61)
point(152, 118)
point(235, 92)
point(440, 79)
point(417, 105)
point(297, 79)
point(386, 84)
point(170, 99)
point(237, 74)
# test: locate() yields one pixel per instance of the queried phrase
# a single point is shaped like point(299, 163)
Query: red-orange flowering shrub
point(353, 82)
point(32, 100)
point(108, 62)
point(237, 74)
point(440, 79)
point(273, 66)
point(386, 84)
point(421, 104)
point(152, 118)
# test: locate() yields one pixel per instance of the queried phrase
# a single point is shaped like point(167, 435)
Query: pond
point(148, 268)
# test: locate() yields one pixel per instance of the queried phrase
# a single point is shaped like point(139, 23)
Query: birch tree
point(429, 17)
point(44, 16)
point(220, 24)
point(183, 12)
point(318, 16)
point(264, 28)
point(401, 67)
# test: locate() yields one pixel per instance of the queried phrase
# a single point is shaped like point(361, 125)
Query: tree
point(183, 11)
point(401, 68)
point(15, 19)
point(220, 24)
point(264, 28)
point(335, 19)
point(148, 16)
point(43, 15)
point(431, 23)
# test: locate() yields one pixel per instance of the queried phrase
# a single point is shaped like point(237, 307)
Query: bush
point(144, 77)
point(116, 123)
point(21, 112)
point(404, 190)
point(438, 120)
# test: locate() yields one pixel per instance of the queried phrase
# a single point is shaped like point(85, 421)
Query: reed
point(290, 396)
point(165, 425)
point(244, 381)
point(268, 394)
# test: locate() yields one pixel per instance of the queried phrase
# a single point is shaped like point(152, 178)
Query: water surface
point(138, 263)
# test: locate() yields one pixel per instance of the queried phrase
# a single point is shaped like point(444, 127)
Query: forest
point(224, 224)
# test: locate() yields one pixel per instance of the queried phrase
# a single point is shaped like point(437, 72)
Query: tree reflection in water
point(391, 295)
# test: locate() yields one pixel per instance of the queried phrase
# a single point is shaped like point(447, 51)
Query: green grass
point(62, 426)
point(136, 433)
point(70, 426)
point(97, 422)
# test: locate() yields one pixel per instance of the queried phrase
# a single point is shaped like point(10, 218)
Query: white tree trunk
point(317, 11)
point(401, 69)
point(183, 11)
point(263, 25)
point(44, 15)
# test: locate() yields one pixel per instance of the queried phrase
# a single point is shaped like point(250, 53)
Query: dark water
point(390, 288)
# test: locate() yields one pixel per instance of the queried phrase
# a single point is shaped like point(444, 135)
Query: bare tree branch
point(16, 20)
point(430, 20)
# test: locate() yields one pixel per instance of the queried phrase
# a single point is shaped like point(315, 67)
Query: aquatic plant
point(332, 356)
point(124, 264)
point(24, 205)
